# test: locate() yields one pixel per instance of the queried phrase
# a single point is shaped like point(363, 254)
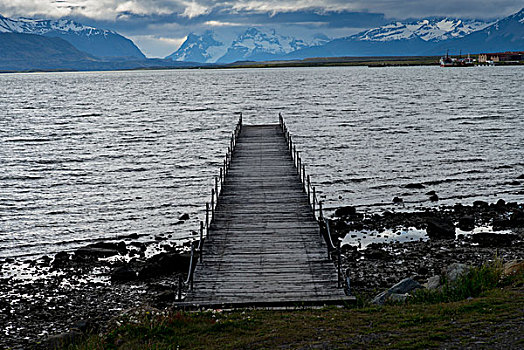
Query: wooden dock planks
point(264, 246)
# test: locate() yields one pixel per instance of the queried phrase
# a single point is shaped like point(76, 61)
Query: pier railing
point(333, 251)
point(197, 252)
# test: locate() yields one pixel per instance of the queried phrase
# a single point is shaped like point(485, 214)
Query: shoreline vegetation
point(488, 314)
point(371, 62)
point(465, 288)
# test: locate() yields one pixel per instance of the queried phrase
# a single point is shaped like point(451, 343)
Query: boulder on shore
point(123, 274)
point(395, 293)
point(466, 223)
point(454, 271)
point(440, 228)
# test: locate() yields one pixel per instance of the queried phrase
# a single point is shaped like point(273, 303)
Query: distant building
point(501, 56)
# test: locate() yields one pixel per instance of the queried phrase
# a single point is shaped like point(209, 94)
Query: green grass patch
point(428, 323)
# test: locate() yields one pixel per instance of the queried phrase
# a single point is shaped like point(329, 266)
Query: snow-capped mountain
point(199, 48)
point(94, 41)
point(423, 37)
point(506, 34)
point(436, 29)
point(253, 44)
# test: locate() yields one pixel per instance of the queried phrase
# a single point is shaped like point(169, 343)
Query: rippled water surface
point(88, 156)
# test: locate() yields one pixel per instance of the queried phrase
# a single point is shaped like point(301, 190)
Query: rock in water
point(440, 229)
point(433, 198)
point(415, 186)
point(466, 223)
point(184, 217)
point(397, 200)
point(345, 211)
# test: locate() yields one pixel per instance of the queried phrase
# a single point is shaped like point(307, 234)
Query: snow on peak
point(198, 48)
point(251, 42)
point(43, 26)
point(436, 29)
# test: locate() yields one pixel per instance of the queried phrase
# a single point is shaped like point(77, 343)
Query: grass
point(472, 284)
point(481, 306)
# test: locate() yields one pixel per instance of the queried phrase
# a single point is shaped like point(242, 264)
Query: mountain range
point(32, 44)
point(432, 36)
point(96, 42)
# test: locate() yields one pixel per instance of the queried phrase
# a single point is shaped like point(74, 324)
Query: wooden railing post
point(180, 287)
point(339, 261)
point(216, 188)
point(221, 181)
point(314, 201)
point(320, 210)
point(304, 177)
point(192, 268)
point(212, 204)
point(309, 189)
point(201, 241)
point(207, 219)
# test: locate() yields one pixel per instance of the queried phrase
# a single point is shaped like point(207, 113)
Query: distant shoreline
point(371, 62)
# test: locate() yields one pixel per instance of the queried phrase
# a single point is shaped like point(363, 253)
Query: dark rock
point(422, 270)
point(184, 217)
point(433, 198)
point(376, 254)
point(84, 326)
point(514, 183)
point(431, 193)
point(61, 259)
point(491, 239)
point(480, 204)
point(45, 261)
point(123, 274)
point(415, 186)
point(94, 252)
point(440, 228)
point(345, 211)
point(501, 203)
point(397, 200)
point(120, 247)
point(164, 263)
point(517, 218)
point(405, 286)
point(521, 177)
point(64, 340)
point(466, 223)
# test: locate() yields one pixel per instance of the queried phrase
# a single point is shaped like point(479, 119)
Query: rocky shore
point(470, 235)
point(72, 293)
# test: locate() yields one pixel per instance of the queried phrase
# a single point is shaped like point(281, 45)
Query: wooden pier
point(262, 245)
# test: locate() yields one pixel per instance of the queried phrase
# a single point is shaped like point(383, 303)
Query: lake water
point(96, 155)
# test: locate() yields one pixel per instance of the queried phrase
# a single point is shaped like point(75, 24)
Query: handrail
point(314, 201)
point(210, 211)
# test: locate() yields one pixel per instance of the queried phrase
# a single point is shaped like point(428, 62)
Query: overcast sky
point(158, 27)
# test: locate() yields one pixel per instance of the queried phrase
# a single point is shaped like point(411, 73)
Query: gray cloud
point(114, 9)
point(157, 24)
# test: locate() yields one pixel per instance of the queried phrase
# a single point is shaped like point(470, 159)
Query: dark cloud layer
point(167, 22)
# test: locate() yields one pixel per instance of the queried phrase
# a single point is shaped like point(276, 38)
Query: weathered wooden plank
point(264, 245)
